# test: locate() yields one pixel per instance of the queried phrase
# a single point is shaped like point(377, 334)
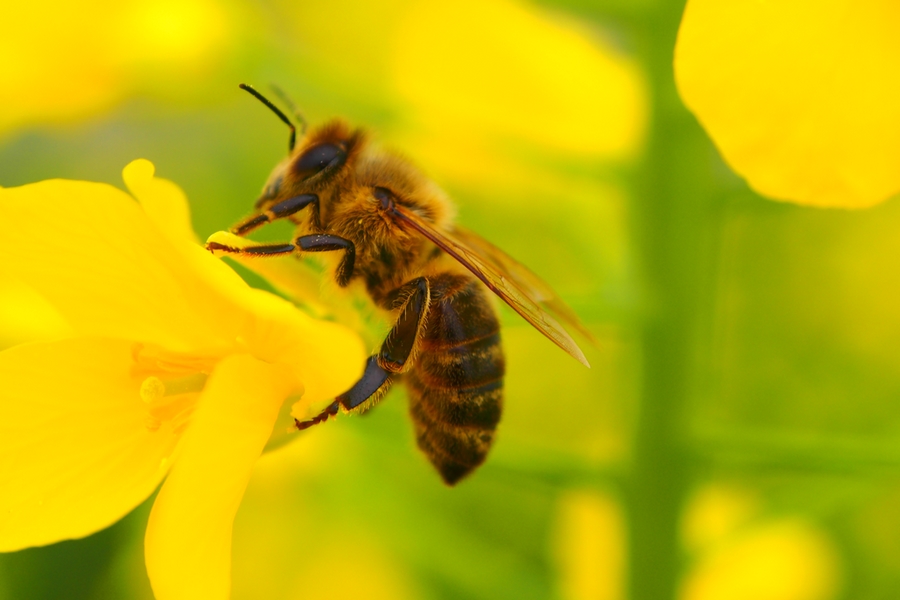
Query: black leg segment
point(330, 411)
point(307, 243)
point(279, 210)
point(374, 383)
point(262, 250)
point(374, 380)
point(320, 242)
point(400, 341)
point(392, 357)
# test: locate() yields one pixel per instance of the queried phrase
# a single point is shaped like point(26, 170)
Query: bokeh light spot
point(590, 547)
point(172, 30)
point(789, 559)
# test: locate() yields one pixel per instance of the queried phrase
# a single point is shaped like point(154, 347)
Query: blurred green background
point(737, 435)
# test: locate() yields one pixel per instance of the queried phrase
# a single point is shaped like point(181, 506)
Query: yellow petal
point(328, 362)
point(26, 317)
point(801, 97)
point(295, 278)
point(188, 542)
point(162, 201)
point(75, 455)
point(109, 272)
point(326, 357)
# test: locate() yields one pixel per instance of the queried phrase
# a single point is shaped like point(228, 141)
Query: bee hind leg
point(374, 384)
point(392, 357)
point(400, 342)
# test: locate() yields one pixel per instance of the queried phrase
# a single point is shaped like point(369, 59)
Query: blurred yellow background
point(748, 451)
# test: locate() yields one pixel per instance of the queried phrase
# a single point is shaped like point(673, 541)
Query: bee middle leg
point(393, 356)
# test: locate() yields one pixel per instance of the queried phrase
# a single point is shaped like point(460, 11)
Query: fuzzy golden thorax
point(387, 255)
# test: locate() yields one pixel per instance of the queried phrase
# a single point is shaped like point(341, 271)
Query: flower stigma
point(170, 386)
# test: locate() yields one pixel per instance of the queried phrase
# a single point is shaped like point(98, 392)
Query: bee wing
point(536, 288)
point(498, 280)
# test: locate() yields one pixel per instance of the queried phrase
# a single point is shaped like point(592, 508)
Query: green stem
point(676, 223)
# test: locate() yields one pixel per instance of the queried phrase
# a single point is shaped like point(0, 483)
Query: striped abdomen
point(456, 383)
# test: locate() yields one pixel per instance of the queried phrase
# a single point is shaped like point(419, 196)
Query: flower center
point(170, 384)
point(171, 400)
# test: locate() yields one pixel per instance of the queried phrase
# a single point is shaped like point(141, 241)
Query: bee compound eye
point(318, 158)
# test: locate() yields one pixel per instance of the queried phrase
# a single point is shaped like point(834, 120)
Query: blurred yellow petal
point(802, 98)
point(53, 69)
point(75, 452)
point(66, 60)
point(464, 67)
point(787, 560)
point(108, 271)
point(180, 34)
point(188, 542)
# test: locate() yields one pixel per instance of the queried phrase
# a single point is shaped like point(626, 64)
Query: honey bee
point(395, 230)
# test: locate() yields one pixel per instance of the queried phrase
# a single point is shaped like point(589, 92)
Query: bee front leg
point(306, 243)
point(279, 210)
point(258, 250)
point(393, 356)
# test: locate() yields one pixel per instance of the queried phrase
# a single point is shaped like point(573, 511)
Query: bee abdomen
point(456, 383)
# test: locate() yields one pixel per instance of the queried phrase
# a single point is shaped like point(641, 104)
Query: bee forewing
point(536, 288)
point(497, 277)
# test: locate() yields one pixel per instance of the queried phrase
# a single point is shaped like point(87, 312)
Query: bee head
point(315, 165)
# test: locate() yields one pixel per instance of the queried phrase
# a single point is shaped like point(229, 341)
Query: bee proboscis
point(394, 231)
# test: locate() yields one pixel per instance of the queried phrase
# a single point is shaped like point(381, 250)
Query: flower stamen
point(171, 400)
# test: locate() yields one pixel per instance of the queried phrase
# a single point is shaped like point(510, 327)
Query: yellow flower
point(173, 368)
point(801, 97)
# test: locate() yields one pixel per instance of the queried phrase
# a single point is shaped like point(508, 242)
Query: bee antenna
point(282, 95)
point(276, 110)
